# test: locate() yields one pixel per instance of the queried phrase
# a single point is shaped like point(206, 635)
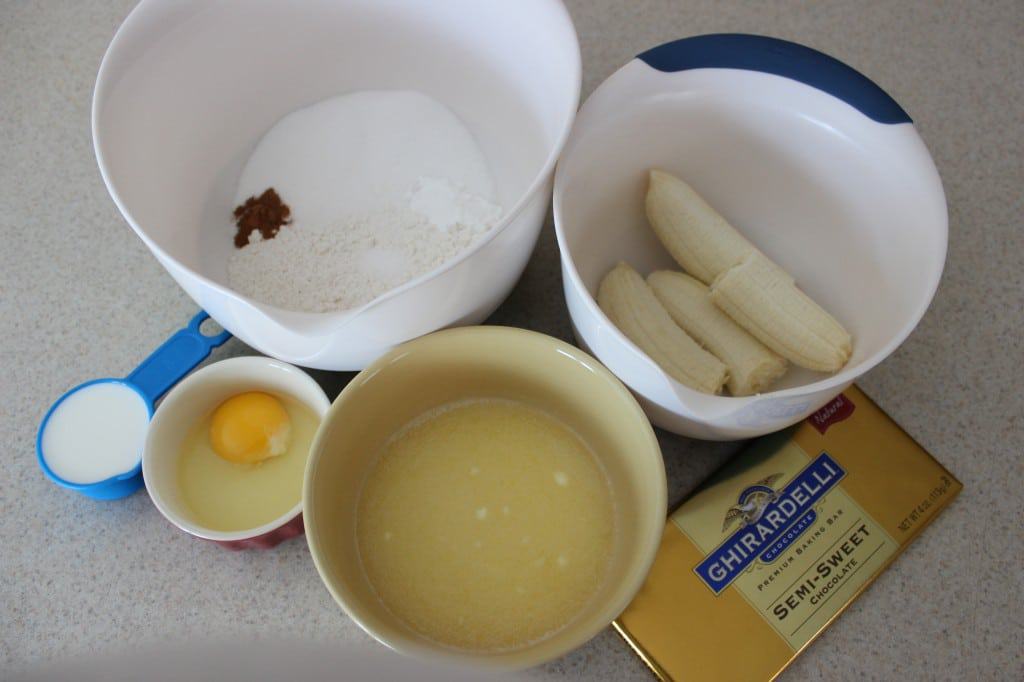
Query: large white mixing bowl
point(817, 165)
point(188, 87)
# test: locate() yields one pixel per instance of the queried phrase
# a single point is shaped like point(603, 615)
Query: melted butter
point(486, 525)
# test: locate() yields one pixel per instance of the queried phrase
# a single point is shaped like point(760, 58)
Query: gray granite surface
point(80, 297)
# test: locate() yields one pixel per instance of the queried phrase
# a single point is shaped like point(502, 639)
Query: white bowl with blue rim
point(812, 161)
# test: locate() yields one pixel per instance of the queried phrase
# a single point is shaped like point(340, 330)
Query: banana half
point(696, 236)
point(769, 305)
point(752, 366)
point(632, 307)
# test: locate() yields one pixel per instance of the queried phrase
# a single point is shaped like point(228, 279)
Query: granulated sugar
point(383, 186)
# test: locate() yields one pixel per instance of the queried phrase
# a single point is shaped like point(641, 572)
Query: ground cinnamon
point(265, 214)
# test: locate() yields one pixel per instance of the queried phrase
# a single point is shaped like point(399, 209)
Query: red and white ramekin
point(187, 404)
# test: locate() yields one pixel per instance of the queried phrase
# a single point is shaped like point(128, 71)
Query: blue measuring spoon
point(168, 364)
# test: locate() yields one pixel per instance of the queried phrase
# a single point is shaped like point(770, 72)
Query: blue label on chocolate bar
point(770, 520)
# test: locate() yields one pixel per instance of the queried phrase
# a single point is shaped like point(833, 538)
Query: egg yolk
point(249, 428)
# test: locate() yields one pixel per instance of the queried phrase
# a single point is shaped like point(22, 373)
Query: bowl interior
point(191, 401)
point(851, 208)
point(483, 362)
point(189, 87)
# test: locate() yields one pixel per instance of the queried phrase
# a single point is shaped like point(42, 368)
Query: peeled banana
point(752, 366)
point(766, 302)
point(749, 287)
point(632, 307)
point(696, 236)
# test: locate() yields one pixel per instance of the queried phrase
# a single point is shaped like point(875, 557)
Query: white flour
point(384, 186)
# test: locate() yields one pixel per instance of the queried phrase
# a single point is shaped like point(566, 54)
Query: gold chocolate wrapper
point(779, 541)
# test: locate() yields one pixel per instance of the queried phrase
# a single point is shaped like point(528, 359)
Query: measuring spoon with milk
point(91, 439)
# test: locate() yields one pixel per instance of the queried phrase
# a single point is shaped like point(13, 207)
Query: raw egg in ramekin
point(227, 448)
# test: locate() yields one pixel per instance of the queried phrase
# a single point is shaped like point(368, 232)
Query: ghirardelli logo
point(772, 519)
point(836, 411)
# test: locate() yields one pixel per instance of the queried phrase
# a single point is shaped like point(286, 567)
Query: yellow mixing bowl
point(483, 362)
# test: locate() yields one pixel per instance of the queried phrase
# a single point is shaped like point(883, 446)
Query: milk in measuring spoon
point(95, 433)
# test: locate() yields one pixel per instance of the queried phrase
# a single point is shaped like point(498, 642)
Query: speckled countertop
point(80, 297)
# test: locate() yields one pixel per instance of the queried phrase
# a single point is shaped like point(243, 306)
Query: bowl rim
point(99, 95)
point(681, 402)
point(583, 630)
point(195, 381)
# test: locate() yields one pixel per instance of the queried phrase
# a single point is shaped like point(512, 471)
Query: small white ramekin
point(192, 400)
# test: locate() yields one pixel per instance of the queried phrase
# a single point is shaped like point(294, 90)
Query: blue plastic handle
point(781, 58)
point(165, 367)
point(175, 358)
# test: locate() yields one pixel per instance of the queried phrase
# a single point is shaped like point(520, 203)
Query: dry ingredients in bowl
point(383, 186)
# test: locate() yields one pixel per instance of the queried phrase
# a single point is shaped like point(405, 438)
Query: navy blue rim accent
point(781, 58)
